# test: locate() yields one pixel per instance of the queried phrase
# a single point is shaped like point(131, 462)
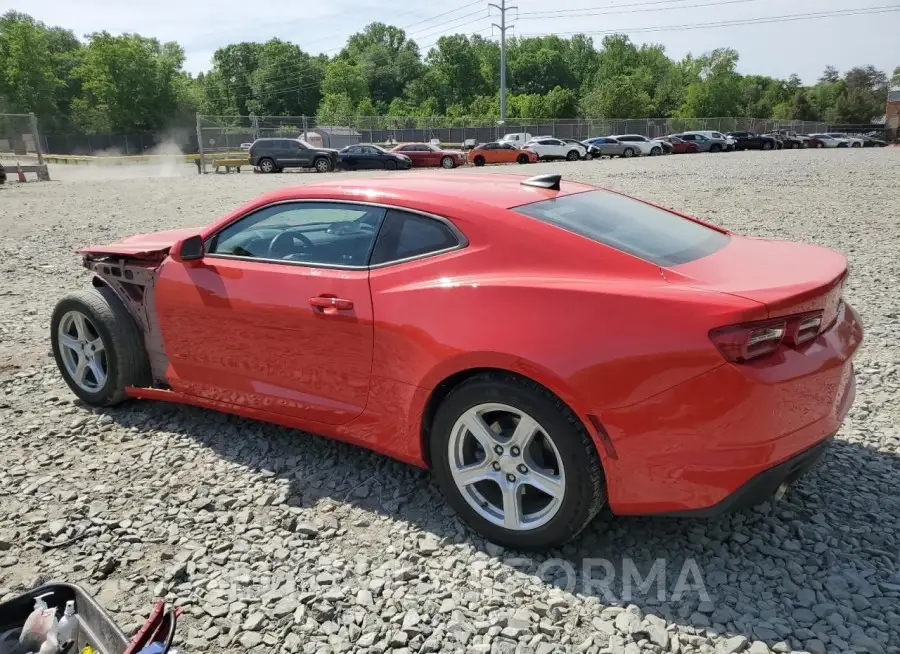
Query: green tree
point(233, 67)
point(36, 62)
point(616, 97)
point(287, 81)
point(895, 78)
point(128, 83)
point(831, 74)
point(388, 59)
point(454, 74)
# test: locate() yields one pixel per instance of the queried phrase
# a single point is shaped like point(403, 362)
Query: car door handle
point(329, 302)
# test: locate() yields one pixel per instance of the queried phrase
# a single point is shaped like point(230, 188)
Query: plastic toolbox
point(95, 627)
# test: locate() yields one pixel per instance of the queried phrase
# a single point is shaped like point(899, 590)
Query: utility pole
point(503, 8)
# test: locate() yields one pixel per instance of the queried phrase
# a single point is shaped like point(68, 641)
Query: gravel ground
point(278, 541)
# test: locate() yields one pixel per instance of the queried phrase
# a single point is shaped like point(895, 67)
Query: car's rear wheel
point(573, 155)
point(322, 165)
point(97, 346)
point(478, 161)
point(515, 462)
point(522, 159)
point(628, 153)
point(266, 165)
point(447, 162)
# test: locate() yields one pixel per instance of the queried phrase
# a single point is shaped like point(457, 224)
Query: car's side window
point(405, 235)
point(328, 233)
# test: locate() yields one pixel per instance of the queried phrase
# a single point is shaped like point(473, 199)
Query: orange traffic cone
point(19, 171)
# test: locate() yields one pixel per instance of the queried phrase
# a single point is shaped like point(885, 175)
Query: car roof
point(414, 190)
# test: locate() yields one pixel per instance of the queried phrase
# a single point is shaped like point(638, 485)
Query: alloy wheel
point(83, 352)
point(506, 467)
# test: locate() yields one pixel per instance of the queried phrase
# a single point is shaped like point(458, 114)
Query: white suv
point(641, 143)
point(549, 147)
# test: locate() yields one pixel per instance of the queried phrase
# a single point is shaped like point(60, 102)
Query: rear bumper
point(763, 486)
point(727, 437)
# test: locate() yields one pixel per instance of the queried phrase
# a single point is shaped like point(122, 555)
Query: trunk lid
point(154, 246)
point(786, 277)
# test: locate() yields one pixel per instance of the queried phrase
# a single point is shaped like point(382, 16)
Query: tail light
point(742, 343)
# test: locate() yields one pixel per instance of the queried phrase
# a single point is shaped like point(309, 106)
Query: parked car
point(872, 142)
point(852, 141)
point(366, 156)
point(426, 154)
point(271, 155)
point(826, 141)
point(753, 141)
point(719, 142)
point(587, 151)
point(500, 152)
point(680, 146)
point(517, 138)
point(792, 140)
point(2, 175)
point(607, 146)
point(703, 143)
point(642, 143)
point(379, 312)
point(553, 148)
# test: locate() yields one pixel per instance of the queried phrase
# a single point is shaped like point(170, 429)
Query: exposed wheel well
point(443, 389)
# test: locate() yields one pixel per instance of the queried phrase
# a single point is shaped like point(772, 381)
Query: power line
point(748, 21)
point(564, 13)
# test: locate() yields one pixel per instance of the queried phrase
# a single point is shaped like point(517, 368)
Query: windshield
point(628, 225)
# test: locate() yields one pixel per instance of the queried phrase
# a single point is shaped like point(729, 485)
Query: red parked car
point(545, 347)
point(680, 146)
point(425, 154)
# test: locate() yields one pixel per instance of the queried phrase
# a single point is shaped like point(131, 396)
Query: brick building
point(892, 115)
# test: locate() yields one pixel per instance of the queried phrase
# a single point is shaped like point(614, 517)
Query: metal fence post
point(37, 138)
point(201, 165)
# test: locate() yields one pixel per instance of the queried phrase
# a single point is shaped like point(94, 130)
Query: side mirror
point(189, 249)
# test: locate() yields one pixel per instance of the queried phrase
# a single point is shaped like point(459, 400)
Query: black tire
point(126, 357)
point(628, 153)
point(856, 145)
point(585, 488)
point(766, 145)
point(522, 159)
point(715, 147)
point(447, 163)
point(655, 151)
point(390, 165)
point(820, 145)
point(322, 165)
point(267, 165)
point(573, 155)
point(478, 161)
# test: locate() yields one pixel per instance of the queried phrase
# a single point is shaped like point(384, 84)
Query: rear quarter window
point(630, 226)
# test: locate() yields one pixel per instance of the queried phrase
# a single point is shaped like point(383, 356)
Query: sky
point(777, 49)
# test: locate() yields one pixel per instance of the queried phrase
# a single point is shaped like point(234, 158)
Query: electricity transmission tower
point(503, 8)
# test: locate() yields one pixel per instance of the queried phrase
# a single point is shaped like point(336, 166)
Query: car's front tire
point(573, 155)
point(515, 462)
point(715, 147)
point(97, 346)
point(523, 159)
point(447, 163)
point(478, 161)
point(322, 165)
point(655, 151)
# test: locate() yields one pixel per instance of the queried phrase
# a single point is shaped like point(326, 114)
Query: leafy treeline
point(129, 82)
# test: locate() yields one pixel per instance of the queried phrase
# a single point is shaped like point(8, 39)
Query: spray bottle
point(67, 625)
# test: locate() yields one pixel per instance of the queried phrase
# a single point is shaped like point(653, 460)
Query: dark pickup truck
point(753, 141)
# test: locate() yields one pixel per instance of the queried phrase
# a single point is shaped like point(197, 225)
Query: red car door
point(277, 315)
point(417, 156)
point(432, 155)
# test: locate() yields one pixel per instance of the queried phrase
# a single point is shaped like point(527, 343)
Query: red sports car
point(544, 346)
point(425, 154)
point(680, 146)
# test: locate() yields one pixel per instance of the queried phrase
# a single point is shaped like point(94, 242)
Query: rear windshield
point(640, 229)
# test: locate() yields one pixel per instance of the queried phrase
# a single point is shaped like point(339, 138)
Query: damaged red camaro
point(545, 347)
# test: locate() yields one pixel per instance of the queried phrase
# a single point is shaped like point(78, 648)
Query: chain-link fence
point(20, 138)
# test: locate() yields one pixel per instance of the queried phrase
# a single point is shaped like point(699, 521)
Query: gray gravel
point(274, 540)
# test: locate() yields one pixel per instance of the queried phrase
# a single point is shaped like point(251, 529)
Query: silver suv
point(719, 142)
